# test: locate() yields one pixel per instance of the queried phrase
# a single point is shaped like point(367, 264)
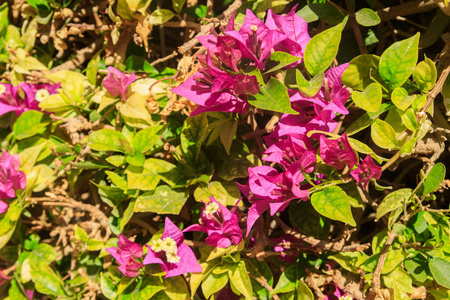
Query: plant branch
point(376, 279)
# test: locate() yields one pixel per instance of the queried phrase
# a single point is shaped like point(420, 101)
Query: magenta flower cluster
point(11, 99)
point(11, 179)
point(117, 83)
point(169, 251)
point(221, 83)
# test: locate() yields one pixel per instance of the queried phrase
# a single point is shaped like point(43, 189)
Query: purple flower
point(333, 292)
point(35, 93)
point(116, 82)
point(269, 189)
point(221, 225)
point(171, 253)
point(10, 178)
point(128, 255)
point(294, 28)
point(365, 171)
point(337, 153)
point(216, 90)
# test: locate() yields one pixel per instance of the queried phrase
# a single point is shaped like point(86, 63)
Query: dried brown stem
point(376, 279)
point(409, 8)
point(82, 55)
point(163, 59)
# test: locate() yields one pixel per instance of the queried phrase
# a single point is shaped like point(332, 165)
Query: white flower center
point(2, 89)
point(254, 28)
point(41, 95)
point(172, 257)
point(169, 245)
point(346, 297)
point(211, 208)
point(156, 246)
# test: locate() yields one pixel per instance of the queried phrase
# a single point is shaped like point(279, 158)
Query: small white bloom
point(2, 89)
point(157, 245)
point(254, 28)
point(211, 208)
point(172, 257)
point(169, 245)
point(346, 297)
point(41, 95)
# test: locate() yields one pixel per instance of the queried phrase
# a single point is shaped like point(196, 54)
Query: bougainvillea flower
point(294, 28)
point(11, 179)
point(35, 93)
point(116, 82)
point(287, 149)
point(220, 224)
point(266, 189)
point(215, 90)
point(337, 153)
point(365, 171)
point(3, 206)
point(171, 253)
point(128, 255)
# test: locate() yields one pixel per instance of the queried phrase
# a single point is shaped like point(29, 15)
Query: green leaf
point(398, 61)
point(123, 10)
point(213, 283)
point(425, 75)
point(308, 221)
point(278, 60)
point(321, 50)
point(383, 135)
point(134, 111)
point(393, 201)
point(274, 97)
point(116, 160)
point(193, 133)
point(323, 11)
point(147, 288)
point(304, 292)
point(367, 119)
point(218, 191)
point(46, 283)
point(227, 133)
point(175, 288)
point(142, 179)
point(92, 67)
point(400, 281)
point(163, 201)
point(80, 234)
point(367, 17)
point(237, 167)
point(109, 289)
point(370, 99)
point(95, 245)
point(29, 123)
point(168, 172)
point(178, 5)
point(106, 140)
point(137, 159)
point(361, 71)
point(59, 105)
point(287, 281)
point(240, 280)
point(309, 88)
point(434, 178)
point(145, 139)
point(417, 267)
point(401, 99)
point(409, 119)
point(363, 148)
point(332, 202)
point(160, 16)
